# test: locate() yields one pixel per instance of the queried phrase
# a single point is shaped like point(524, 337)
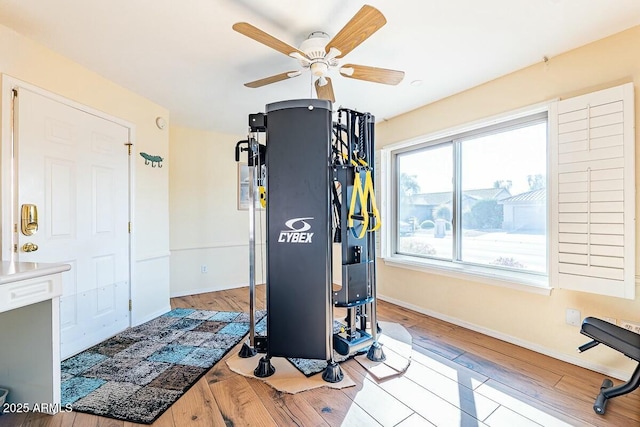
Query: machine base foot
point(264, 368)
point(600, 405)
point(332, 373)
point(375, 353)
point(247, 351)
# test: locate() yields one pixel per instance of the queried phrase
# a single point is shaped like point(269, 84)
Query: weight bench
point(619, 339)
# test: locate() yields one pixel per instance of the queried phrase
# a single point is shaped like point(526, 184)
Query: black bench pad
point(614, 336)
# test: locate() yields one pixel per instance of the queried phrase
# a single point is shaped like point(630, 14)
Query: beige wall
point(206, 226)
point(532, 320)
point(32, 63)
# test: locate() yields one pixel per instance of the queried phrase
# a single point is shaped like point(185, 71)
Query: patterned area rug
point(136, 375)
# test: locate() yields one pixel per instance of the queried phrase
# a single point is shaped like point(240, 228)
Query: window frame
point(530, 281)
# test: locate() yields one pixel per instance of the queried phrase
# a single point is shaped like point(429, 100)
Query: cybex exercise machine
point(319, 177)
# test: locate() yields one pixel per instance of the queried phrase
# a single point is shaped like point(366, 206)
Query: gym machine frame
point(320, 178)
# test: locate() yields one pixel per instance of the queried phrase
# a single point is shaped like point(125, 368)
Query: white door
point(74, 167)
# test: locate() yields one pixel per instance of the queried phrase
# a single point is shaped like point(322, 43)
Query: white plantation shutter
point(593, 193)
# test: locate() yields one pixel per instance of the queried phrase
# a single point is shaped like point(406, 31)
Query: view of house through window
point(425, 196)
point(477, 198)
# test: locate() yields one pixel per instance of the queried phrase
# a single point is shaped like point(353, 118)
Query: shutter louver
point(594, 205)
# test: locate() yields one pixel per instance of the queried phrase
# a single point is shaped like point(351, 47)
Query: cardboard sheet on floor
point(286, 378)
point(396, 344)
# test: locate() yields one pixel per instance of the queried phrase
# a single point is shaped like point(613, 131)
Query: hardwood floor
point(456, 378)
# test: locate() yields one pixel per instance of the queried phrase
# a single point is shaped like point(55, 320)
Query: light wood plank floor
point(456, 378)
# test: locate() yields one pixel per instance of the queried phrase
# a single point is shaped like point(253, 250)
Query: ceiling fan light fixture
point(319, 68)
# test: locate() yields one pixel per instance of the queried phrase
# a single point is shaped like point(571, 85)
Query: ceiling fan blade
point(326, 91)
point(273, 79)
point(367, 21)
point(264, 38)
point(372, 74)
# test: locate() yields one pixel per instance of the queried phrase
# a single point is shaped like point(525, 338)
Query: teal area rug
point(136, 375)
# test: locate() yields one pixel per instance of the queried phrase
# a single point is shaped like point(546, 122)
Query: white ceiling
point(184, 55)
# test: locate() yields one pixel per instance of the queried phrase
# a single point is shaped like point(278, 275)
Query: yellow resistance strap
point(363, 195)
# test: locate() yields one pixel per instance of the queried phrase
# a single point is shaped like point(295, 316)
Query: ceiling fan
point(321, 54)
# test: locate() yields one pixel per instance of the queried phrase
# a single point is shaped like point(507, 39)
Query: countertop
point(14, 271)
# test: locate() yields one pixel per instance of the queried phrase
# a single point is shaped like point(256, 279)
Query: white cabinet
point(30, 331)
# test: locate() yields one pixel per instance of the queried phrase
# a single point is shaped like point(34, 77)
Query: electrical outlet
point(203, 269)
point(572, 317)
point(630, 326)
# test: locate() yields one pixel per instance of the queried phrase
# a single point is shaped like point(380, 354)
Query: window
point(543, 198)
point(475, 199)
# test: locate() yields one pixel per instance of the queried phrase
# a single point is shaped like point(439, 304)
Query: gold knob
point(29, 247)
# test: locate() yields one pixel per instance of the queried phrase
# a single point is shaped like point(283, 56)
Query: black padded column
point(298, 229)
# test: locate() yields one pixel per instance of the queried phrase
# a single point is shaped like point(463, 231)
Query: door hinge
point(15, 248)
point(129, 145)
point(15, 228)
point(130, 304)
point(129, 227)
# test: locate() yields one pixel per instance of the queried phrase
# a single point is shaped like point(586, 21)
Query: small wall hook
point(154, 160)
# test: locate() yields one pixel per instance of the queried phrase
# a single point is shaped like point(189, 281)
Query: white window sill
point(533, 283)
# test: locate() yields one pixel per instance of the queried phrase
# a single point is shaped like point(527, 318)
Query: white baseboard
point(150, 316)
point(207, 289)
point(615, 373)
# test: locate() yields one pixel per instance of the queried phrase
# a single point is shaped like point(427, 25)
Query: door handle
point(29, 247)
point(29, 220)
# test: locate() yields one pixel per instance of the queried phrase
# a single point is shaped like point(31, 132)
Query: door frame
point(8, 168)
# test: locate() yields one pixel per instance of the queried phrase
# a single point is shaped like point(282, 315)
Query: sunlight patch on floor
point(440, 393)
